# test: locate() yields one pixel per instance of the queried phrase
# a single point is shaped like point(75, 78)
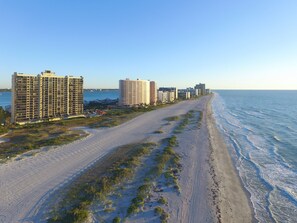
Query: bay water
point(5, 97)
point(260, 129)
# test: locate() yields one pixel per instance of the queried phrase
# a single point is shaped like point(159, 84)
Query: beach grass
point(102, 181)
point(164, 216)
point(158, 132)
point(185, 119)
point(137, 203)
point(116, 220)
point(172, 118)
point(99, 181)
point(162, 200)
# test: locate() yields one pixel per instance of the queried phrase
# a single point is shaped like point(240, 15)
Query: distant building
point(173, 93)
point(198, 92)
point(184, 93)
point(188, 95)
point(201, 87)
point(134, 92)
point(153, 93)
point(166, 96)
point(163, 97)
point(45, 97)
point(192, 91)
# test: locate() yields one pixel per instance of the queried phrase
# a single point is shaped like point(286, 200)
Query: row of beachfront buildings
point(48, 97)
point(144, 92)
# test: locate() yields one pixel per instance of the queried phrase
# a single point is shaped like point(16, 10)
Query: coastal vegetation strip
point(164, 216)
point(172, 118)
point(4, 117)
point(166, 166)
point(21, 139)
point(188, 118)
point(108, 179)
point(98, 182)
point(31, 138)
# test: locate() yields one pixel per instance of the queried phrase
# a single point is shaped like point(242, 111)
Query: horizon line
point(212, 89)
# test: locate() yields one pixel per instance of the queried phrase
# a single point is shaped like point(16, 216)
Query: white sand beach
point(27, 183)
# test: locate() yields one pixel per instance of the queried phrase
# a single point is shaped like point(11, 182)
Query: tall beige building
point(153, 93)
point(25, 98)
point(134, 92)
point(45, 97)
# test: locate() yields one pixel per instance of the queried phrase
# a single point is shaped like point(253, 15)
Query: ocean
point(260, 129)
point(5, 97)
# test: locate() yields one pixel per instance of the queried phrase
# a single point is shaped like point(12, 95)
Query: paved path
point(26, 184)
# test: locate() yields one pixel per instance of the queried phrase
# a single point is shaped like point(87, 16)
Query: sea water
point(260, 129)
point(5, 97)
point(101, 95)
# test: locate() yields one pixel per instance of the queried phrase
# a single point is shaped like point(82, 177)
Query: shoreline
point(246, 191)
point(230, 199)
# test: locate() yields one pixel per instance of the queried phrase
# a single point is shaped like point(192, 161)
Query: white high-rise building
point(134, 92)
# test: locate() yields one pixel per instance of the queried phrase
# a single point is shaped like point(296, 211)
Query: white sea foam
point(277, 138)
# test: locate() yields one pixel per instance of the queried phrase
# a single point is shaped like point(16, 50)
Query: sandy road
point(26, 184)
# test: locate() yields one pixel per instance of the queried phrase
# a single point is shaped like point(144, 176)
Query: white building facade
point(134, 92)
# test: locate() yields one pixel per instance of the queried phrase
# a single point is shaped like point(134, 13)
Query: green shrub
point(168, 174)
point(158, 210)
point(173, 141)
point(144, 189)
point(162, 200)
point(116, 220)
point(138, 201)
point(173, 118)
point(169, 150)
point(80, 215)
point(147, 179)
point(132, 209)
point(164, 217)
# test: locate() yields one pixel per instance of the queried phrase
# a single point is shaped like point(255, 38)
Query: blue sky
point(227, 44)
